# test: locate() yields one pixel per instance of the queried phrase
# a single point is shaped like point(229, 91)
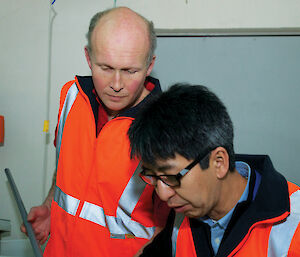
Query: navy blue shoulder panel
point(87, 86)
point(132, 112)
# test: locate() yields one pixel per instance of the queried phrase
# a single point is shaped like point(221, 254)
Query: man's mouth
point(179, 208)
point(115, 97)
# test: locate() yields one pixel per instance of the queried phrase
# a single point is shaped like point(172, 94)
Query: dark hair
point(186, 119)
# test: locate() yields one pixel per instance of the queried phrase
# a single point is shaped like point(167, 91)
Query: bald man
point(98, 204)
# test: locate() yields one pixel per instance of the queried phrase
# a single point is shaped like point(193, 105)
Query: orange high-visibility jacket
point(266, 225)
point(100, 207)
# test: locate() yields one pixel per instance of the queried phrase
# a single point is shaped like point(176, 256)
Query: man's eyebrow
point(145, 168)
point(103, 64)
point(161, 168)
point(131, 68)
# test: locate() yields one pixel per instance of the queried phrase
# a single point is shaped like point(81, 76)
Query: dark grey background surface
point(258, 79)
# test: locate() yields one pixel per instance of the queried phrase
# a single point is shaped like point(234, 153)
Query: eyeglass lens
point(170, 180)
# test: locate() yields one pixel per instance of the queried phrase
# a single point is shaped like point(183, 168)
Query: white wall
point(210, 14)
point(23, 46)
point(24, 69)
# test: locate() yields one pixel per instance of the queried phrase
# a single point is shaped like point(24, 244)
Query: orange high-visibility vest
point(276, 237)
point(100, 207)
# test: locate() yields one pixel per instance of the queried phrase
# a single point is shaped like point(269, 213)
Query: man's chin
point(114, 109)
point(189, 211)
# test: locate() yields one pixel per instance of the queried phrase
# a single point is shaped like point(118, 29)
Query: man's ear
point(150, 67)
point(219, 158)
point(88, 57)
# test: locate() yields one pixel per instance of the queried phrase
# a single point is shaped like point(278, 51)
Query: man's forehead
point(120, 41)
point(163, 164)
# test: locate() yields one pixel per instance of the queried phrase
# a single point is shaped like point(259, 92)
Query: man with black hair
point(224, 204)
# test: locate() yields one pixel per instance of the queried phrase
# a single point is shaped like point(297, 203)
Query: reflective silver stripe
point(118, 227)
point(179, 217)
point(282, 234)
point(70, 99)
point(122, 225)
point(127, 203)
point(129, 226)
point(93, 212)
point(132, 192)
point(66, 202)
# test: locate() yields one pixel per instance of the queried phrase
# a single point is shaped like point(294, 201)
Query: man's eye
point(105, 68)
point(130, 71)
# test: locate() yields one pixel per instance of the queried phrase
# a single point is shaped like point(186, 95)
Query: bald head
point(124, 25)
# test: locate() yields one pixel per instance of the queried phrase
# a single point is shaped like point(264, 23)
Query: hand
point(39, 217)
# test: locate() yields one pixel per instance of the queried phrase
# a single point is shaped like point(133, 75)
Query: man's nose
point(117, 82)
point(164, 191)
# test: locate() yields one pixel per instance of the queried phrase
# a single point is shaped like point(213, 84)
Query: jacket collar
point(87, 86)
point(268, 201)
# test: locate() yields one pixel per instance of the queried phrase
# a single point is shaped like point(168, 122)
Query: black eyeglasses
point(170, 180)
